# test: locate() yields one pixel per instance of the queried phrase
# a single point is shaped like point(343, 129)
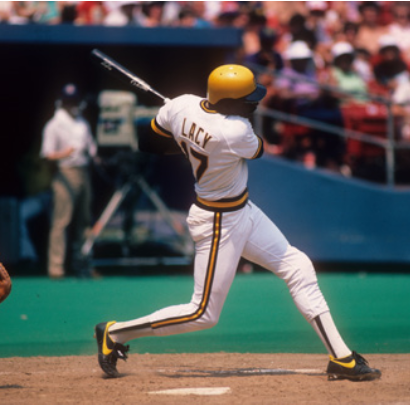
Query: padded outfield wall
point(332, 218)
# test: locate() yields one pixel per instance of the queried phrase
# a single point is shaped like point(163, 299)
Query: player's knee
point(209, 320)
point(306, 266)
point(299, 270)
point(212, 321)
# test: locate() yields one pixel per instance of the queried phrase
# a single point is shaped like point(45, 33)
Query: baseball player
point(217, 138)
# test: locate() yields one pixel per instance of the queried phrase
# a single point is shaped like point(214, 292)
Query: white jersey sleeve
point(241, 139)
point(162, 123)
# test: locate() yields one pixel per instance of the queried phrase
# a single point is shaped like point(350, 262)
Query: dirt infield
point(246, 378)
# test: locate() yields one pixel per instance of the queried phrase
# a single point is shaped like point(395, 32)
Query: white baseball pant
point(221, 239)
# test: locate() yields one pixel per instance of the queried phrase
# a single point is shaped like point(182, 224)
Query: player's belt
point(224, 205)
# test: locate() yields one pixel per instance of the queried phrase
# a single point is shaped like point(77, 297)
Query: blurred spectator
point(296, 30)
point(212, 9)
point(370, 30)
point(121, 14)
point(228, 19)
point(362, 61)
point(67, 141)
point(297, 91)
point(252, 21)
point(46, 12)
point(399, 29)
point(42, 12)
point(316, 20)
point(200, 10)
point(266, 56)
point(191, 16)
point(152, 13)
point(288, 93)
point(317, 23)
point(297, 87)
point(391, 71)
point(6, 8)
point(349, 33)
point(343, 75)
point(22, 12)
point(340, 13)
point(279, 13)
point(386, 9)
point(186, 18)
point(68, 12)
point(362, 65)
point(91, 12)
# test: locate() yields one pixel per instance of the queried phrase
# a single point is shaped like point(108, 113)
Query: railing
point(390, 145)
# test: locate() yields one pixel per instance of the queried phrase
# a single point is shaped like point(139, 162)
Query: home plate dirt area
point(200, 379)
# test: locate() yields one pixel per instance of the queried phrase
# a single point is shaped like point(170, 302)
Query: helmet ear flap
point(235, 107)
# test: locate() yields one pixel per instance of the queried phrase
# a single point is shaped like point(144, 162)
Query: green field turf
point(47, 317)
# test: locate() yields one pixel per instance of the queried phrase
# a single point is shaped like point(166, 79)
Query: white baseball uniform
point(225, 226)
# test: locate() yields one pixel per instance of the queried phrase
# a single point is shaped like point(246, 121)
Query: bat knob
point(166, 100)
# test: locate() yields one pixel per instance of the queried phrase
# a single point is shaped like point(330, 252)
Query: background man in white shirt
point(68, 141)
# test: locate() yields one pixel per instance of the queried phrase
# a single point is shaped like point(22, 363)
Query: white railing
point(389, 144)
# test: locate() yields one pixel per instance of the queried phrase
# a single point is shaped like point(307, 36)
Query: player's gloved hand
point(5, 283)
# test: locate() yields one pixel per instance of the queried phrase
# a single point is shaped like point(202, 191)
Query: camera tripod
point(134, 182)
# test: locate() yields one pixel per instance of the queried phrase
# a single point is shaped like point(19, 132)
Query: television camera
point(118, 123)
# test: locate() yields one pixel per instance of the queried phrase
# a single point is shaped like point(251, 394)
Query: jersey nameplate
point(195, 133)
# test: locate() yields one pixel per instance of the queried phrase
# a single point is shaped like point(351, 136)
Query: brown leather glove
point(5, 283)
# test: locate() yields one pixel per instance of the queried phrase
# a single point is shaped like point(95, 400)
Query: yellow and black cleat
point(354, 367)
point(108, 350)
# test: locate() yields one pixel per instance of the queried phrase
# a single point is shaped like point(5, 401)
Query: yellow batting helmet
point(234, 82)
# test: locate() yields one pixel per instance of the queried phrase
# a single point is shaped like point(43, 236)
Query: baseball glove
point(5, 283)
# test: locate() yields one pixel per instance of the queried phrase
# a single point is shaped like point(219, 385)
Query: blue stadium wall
point(332, 218)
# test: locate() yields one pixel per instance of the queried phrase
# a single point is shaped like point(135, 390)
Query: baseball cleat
point(354, 367)
point(108, 350)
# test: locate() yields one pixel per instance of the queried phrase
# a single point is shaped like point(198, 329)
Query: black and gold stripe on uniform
point(260, 149)
point(203, 105)
point(208, 280)
point(208, 283)
point(157, 140)
point(224, 205)
point(160, 130)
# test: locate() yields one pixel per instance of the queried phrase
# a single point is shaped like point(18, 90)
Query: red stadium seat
point(369, 119)
point(292, 135)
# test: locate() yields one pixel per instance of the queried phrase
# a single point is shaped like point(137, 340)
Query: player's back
point(215, 144)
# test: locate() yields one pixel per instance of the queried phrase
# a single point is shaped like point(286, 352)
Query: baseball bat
point(123, 74)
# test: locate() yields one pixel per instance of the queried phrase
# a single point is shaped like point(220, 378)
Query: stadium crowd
point(319, 60)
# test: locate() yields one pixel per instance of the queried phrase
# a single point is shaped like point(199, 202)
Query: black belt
point(224, 205)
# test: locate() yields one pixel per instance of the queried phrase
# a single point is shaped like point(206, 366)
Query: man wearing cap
point(298, 92)
point(391, 71)
point(343, 74)
point(69, 144)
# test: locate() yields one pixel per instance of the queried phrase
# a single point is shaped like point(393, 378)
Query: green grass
point(47, 317)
